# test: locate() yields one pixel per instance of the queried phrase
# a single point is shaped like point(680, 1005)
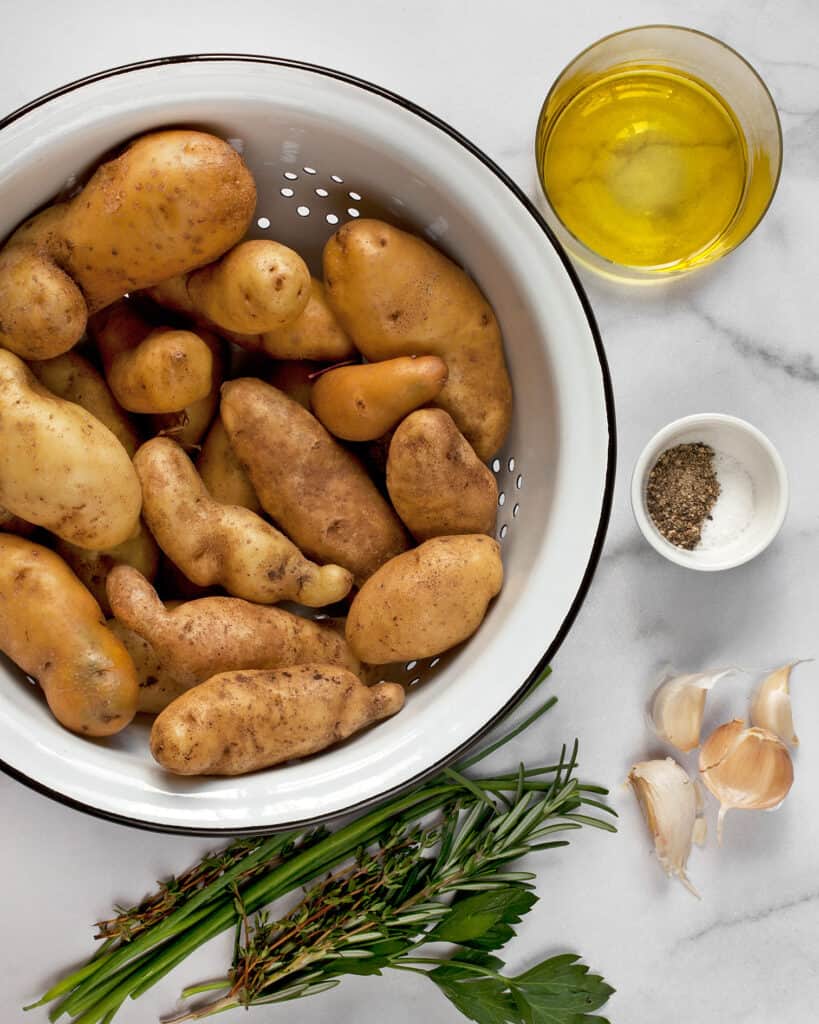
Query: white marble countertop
point(739, 338)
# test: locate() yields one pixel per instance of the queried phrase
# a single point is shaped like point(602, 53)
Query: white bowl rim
point(611, 455)
point(658, 443)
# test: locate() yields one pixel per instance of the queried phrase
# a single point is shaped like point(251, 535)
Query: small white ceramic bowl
point(756, 454)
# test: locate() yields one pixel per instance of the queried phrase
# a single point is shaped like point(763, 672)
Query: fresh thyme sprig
point(430, 865)
point(171, 894)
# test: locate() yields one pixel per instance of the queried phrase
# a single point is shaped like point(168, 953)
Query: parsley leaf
point(484, 921)
point(484, 998)
point(559, 991)
point(556, 991)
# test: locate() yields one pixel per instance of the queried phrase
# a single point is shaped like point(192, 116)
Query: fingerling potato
point(426, 600)
point(60, 467)
point(257, 286)
point(226, 544)
point(198, 639)
point(238, 722)
point(436, 482)
point(363, 402)
point(42, 311)
point(150, 369)
point(312, 487)
point(189, 425)
point(186, 190)
point(316, 334)
point(53, 629)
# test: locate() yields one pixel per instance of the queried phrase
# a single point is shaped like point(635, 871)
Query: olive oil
point(646, 166)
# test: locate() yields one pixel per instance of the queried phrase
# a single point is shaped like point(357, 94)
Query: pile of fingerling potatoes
point(158, 506)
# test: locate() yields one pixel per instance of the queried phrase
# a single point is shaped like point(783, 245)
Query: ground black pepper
point(682, 489)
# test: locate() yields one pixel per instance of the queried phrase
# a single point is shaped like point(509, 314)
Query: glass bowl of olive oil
point(659, 150)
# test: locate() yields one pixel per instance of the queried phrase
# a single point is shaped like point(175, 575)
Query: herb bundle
point(431, 866)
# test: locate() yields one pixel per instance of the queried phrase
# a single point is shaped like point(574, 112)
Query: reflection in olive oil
point(646, 167)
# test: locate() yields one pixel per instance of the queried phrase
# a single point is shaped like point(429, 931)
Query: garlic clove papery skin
point(745, 769)
point(771, 707)
point(700, 831)
point(668, 800)
point(678, 705)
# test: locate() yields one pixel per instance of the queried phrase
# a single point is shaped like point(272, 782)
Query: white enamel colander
point(324, 148)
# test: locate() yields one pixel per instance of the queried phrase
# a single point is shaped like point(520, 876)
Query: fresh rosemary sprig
point(430, 865)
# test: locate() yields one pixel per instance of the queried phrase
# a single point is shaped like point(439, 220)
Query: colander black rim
point(608, 488)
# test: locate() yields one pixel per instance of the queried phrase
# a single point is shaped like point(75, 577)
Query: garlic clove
point(745, 769)
point(771, 706)
point(668, 800)
point(678, 704)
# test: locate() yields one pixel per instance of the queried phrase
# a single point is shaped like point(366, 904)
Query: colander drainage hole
point(511, 465)
point(303, 211)
point(434, 662)
point(291, 175)
point(502, 499)
point(331, 218)
point(519, 481)
point(263, 222)
point(288, 193)
point(355, 196)
point(336, 178)
point(353, 212)
point(515, 511)
point(410, 665)
point(503, 531)
point(322, 192)
point(417, 679)
point(496, 464)
point(309, 170)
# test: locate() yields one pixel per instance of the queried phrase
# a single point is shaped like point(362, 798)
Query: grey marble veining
point(741, 337)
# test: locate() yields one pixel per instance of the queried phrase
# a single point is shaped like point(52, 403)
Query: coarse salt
point(734, 508)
